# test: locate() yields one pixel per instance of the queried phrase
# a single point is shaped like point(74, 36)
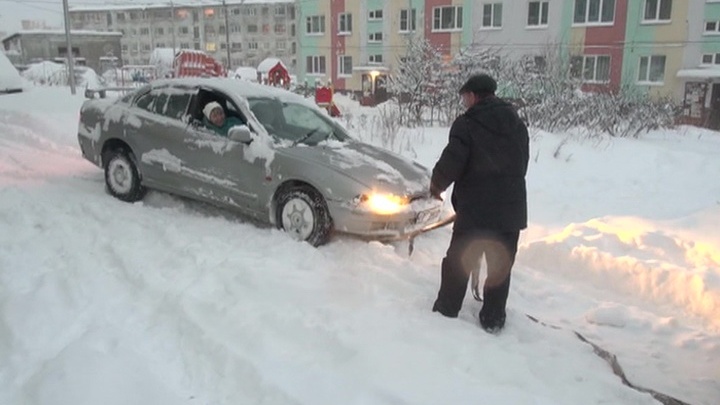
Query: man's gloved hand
point(435, 192)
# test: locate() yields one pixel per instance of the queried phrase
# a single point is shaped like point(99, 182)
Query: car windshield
point(295, 122)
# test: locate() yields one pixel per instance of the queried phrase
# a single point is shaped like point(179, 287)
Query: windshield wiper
point(306, 136)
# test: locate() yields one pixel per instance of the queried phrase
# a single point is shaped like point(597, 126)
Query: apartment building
point(256, 29)
point(355, 44)
point(657, 46)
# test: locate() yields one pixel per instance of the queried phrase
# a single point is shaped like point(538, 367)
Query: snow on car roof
point(241, 88)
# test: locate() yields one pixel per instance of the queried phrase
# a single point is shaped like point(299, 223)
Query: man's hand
point(435, 192)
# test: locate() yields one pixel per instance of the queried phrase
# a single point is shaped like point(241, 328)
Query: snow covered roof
point(62, 32)
point(268, 64)
point(150, 4)
point(709, 73)
point(242, 88)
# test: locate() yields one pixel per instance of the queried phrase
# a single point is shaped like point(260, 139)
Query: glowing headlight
point(385, 204)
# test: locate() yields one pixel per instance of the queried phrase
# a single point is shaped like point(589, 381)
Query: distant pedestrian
point(486, 157)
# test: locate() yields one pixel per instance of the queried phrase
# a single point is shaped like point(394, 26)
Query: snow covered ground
point(167, 301)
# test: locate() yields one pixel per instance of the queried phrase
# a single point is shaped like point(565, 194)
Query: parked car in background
point(287, 164)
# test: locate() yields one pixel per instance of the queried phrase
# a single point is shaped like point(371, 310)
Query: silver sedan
point(284, 161)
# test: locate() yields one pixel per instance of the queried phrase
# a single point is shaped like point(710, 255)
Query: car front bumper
point(405, 225)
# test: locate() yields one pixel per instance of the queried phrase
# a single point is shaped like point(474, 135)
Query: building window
point(146, 47)
point(280, 45)
point(280, 10)
point(184, 30)
point(315, 65)
point(594, 11)
point(120, 16)
point(710, 59)
point(144, 31)
point(591, 68)
point(492, 15)
point(252, 28)
point(652, 69)
point(408, 20)
point(280, 28)
point(184, 45)
point(253, 45)
point(657, 10)
point(375, 37)
point(211, 46)
point(344, 23)
point(375, 15)
point(375, 59)
point(344, 65)
point(315, 25)
point(712, 27)
point(125, 49)
point(236, 46)
point(235, 29)
point(447, 18)
point(538, 13)
point(223, 45)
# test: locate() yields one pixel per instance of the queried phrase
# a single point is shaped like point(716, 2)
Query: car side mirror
point(240, 133)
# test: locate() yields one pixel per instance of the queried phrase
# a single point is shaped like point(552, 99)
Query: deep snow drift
point(167, 301)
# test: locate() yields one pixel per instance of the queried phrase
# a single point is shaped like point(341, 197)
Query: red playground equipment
point(192, 63)
point(324, 99)
point(278, 76)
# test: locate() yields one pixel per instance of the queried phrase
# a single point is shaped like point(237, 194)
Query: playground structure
point(192, 63)
point(324, 98)
point(273, 72)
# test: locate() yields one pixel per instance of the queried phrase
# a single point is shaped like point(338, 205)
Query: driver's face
point(217, 117)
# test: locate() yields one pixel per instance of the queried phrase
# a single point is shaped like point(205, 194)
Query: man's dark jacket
point(486, 157)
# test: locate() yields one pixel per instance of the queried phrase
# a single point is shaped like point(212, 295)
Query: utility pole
point(172, 20)
point(227, 35)
point(68, 43)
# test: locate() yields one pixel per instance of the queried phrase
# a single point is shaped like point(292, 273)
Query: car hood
point(373, 167)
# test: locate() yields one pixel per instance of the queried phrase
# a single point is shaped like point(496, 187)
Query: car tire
point(303, 213)
point(122, 178)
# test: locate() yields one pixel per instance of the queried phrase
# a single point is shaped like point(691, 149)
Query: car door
point(157, 133)
point(228, 170)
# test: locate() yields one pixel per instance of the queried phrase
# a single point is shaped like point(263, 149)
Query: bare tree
point(415, 79)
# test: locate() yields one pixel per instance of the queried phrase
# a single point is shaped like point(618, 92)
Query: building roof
point(269, 63)
point(151, 4)
point(62, 32)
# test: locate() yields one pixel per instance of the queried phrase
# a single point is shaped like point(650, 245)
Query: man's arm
point(451, 164)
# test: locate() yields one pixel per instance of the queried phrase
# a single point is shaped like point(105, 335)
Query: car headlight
point(384, 204)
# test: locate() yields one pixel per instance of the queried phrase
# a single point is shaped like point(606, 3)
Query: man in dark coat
point(486, 157)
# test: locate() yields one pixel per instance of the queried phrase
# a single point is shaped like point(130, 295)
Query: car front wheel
point(121, 176)
point(303, 213)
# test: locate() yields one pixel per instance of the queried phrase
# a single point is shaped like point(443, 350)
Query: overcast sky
point(13, 11)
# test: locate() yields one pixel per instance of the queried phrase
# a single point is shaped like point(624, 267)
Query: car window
point(160, 103)
point(177, 105)
point(295, 122)
point(145, 101)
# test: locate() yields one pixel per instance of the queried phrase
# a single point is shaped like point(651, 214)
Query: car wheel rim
point(298, 219)
point(120, 176)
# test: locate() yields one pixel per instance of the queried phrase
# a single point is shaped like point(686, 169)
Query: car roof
point(236, 87)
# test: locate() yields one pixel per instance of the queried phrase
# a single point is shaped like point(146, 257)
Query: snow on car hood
point(369, 165)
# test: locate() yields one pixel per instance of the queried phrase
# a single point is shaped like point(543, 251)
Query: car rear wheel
point(121, 175)
point(303, 214)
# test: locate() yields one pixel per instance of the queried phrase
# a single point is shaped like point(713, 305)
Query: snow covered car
point(10, 81)
point(287, 164)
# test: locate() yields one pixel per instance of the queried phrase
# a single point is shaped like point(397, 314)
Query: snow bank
point(55, 74)
point(637, 257)
point(246, 73)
